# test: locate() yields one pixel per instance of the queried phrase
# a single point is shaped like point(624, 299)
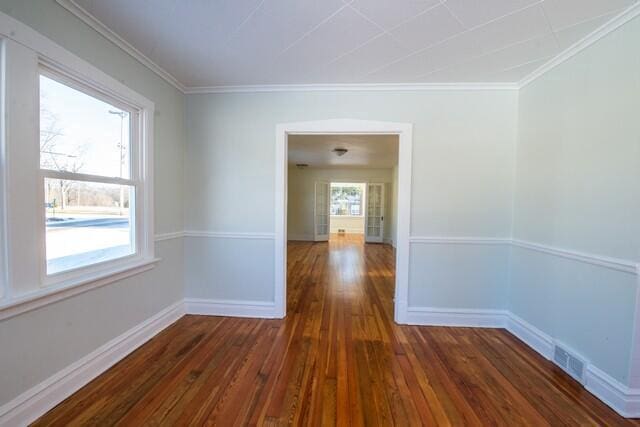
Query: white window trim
point(20, 297)
point(362, 201)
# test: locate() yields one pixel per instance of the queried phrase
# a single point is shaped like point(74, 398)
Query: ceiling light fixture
point(340, 151)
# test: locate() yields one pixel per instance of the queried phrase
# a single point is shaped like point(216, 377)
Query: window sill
point(51, 294)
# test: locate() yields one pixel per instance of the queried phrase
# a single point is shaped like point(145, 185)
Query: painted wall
point(463, 152)
point(578, 170)
point(301, 186)
point(349, 224)
point(37, 344)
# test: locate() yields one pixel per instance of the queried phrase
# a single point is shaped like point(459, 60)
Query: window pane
point(86, 223)
point(346, 199)
point(82, 134)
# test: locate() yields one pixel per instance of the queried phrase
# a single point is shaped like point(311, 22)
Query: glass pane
point(86, 223)
point(346, 199)
point(82, 134)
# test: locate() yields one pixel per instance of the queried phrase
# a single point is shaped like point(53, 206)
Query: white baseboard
point(622, 399)
point(231, 308)
point(530, 335)
point(36, 401)
point(479, 318)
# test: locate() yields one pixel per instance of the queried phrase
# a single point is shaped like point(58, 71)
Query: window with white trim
point(347, 199)
point(87, 144)
point(76, 175)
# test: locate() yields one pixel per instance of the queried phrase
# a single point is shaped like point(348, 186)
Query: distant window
point(346, 199)
point(87, 142)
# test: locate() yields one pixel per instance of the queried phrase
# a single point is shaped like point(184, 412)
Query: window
point(346, 199)
point(88, 144)
point(76, 180)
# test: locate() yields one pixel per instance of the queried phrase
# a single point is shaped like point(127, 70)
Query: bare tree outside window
point(54, 158)
point(84, 145)
point(346, 199)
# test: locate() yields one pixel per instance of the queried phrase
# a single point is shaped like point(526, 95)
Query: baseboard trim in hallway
point(231, 308)
point(473, 318)
point(622, 399)
point(39, 399)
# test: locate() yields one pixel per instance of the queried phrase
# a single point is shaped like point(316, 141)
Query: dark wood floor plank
point(337, 359)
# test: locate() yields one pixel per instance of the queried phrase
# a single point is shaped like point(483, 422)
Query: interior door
point(321, 212)
point(374, 219)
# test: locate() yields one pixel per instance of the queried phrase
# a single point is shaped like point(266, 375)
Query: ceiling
point(365, 151)
point(212, 43)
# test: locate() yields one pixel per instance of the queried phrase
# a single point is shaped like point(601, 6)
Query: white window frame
point(136, 179)
point(363, 186)
point(25, 53)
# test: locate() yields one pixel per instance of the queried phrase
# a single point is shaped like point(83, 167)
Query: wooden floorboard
point(337, 359)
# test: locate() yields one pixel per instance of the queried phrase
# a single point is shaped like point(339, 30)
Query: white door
point(374, 219)
point(321, 212)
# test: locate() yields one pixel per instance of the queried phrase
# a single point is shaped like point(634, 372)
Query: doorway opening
point(347, 210)
point(305, 208)
point(307, 222)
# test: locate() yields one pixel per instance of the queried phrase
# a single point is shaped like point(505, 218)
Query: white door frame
point(403, 219)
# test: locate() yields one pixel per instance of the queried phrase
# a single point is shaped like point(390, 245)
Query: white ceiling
point(206, 43)
point(365, 151)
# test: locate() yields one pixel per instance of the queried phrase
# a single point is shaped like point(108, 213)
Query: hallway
point(337, 358)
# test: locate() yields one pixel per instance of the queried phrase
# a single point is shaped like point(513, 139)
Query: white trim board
point(616, 22)
point(354, 87)
point(49, 295)
point(458, 317)
point(530, 335)
point(460, 240)
point(39, 399)
point(613, 24)
point(403, 217)
point(230, 235)
point(169, 236)
point(626, 266)
point(622, 399)
point(231, 308)
point(618, 264)
point(114, 38)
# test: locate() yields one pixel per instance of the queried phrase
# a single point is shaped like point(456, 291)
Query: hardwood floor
point(337, 358)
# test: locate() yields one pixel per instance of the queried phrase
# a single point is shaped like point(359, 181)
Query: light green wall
point(578, 187)
point(463, 150)
point(37, 344)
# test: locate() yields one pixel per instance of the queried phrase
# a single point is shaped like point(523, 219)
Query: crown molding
point(353, 87)
point(610, 26)
point(622, 18)
point(114, 38)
